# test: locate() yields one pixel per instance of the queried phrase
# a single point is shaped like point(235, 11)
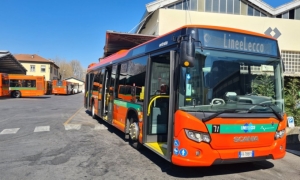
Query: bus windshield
point(225, 80)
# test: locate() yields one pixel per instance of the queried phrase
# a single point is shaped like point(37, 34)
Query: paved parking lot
point(54, 137)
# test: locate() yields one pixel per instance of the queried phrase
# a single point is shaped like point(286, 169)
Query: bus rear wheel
point(134, 134)
point(16, 94)
point(93, 111)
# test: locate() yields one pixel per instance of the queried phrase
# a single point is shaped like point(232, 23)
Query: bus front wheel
point(16, 94)
point(134, 134)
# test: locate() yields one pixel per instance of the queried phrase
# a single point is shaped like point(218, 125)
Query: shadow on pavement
point(190, 172)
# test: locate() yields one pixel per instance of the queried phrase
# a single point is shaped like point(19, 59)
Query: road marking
point(293, 152)
point(72, 116)
point(10, 131)
point(99, 126)
point(41, 128)
point(72, 126)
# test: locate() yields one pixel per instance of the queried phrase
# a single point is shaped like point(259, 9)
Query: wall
point(170, 19)
point(37, 72)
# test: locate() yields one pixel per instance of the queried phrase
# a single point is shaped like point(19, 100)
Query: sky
point(68, 29)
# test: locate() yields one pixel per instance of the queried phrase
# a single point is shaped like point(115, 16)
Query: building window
point(32, 68)
point(250, 10)
point(51, 69)
point(193, 5)
point(255, 12)
point(43, 68)
point(208, 5)
point(285, 15)
point(237, 7)
point(229, 7)
point(297, 13)
point(291, 61)
point(223, 6)
point(187, 5)
point(178, 6)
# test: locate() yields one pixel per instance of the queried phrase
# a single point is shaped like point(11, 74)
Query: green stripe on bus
point(23, 88)
point(240, 128)
point(128, 105)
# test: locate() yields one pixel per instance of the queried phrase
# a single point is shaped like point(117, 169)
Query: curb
point(293, 152)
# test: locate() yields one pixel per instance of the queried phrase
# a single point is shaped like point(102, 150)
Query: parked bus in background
point(48, 87)
point(203, 97)
point(4, 85)
point(26, 85)
point(75, 87)
point(61, 87)
point(80, 88)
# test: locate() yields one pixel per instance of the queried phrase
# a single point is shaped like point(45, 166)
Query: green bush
point(292, 99)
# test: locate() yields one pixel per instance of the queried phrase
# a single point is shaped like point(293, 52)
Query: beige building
point(282, 23)
point(38, 66)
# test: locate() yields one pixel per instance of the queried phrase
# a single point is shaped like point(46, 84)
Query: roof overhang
point(119, 41)
point(153, 6)
point(9, 64)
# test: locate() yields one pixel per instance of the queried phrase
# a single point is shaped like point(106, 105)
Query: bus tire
point(16, 94)
point(134, 133)
point(93, 111)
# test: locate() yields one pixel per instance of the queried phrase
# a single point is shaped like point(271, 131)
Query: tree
point(263, 85)
point(70, 69)
point(292, 99)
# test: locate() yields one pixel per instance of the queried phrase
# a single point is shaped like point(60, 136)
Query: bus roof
point(154, 44)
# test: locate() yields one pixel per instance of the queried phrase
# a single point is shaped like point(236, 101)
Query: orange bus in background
point(48, 87)
point(4, 85)
point(61, 87)
point(26, 85)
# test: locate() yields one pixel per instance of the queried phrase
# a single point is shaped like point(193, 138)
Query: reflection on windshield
point(223, 80)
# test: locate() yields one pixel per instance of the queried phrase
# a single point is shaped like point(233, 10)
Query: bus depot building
point(282, 23)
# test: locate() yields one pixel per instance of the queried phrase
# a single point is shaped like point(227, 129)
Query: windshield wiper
point(218, 113)
point(279, 117)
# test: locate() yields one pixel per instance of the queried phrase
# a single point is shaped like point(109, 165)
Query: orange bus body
point(195, 137)
point(61, 87)
point(26, 85)
point(4, 85)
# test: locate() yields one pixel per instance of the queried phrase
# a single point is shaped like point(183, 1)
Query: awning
point(9, 64)
point(119, 41)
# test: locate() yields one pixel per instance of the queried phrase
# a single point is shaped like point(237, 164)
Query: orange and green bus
point(209, 95)
point(26, 85)
point(61, 87)
point(4, 85)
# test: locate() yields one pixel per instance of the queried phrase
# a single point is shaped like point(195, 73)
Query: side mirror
point(187, 52)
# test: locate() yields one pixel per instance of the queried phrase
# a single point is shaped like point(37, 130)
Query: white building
point(282, 23)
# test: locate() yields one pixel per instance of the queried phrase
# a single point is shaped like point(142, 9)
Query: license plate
point(243, 154)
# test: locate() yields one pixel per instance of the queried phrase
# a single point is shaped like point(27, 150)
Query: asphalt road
point(53, 137)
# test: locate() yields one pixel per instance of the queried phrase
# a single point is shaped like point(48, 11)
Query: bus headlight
point(197, 136)
point(279, 134)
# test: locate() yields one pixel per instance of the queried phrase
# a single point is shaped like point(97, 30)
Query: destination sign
point(238, 42)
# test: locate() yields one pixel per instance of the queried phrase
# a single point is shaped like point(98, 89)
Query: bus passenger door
point(108, 94)
point(157, 104)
